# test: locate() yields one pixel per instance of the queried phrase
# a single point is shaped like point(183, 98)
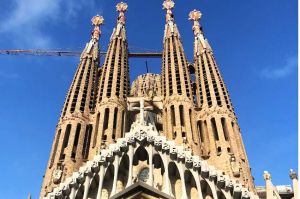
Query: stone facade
point(166, 137)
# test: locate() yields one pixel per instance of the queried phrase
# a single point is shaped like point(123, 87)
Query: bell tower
point(70, 146)
point(218, 129)
point(176, 85)
point(113, 88)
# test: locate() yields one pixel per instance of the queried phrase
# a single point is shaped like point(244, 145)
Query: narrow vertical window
point(87, 139)
point(214, 129)
point(200, 130)
point(96, 130)
point(173, 115)
point(106, 117)
point(65, 142)
point(115, 118)
point(181, 115)
point(122, 129)
point(174, 135)
point(55, 148)
point(225, 129)
point(76, 139)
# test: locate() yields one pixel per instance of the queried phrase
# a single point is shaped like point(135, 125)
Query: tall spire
point(176, 85)
point(220, 135)
point(113, 87)
point(72, 133)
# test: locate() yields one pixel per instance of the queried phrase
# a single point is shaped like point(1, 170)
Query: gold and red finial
point(196, 15)
point(97, 21)
point(122, 8)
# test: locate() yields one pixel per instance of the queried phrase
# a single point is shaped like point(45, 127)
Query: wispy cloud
point(288, 68)
point(27, 21)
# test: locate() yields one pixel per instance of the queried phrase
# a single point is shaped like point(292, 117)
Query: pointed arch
point(175, 180)
point(190, 184)
point(141, 154)
point(108, 182)
point(92, 193)
point(122, 173)
point(220, 194)
point(206, 190)
point(80, 192)
point(158, 172)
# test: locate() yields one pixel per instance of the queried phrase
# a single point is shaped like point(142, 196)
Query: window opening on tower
point(65, 142)
point(214, 129)
point(75, 144)
point(87, 140)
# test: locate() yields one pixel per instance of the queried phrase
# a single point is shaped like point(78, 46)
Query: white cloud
point(280, 72)
point(26, 22)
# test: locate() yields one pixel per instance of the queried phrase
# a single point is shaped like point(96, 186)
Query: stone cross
point(142, 108)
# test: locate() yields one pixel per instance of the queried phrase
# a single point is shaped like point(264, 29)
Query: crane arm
point(73, 53)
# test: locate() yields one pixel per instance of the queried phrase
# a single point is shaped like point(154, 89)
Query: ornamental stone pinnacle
point(267, 175)
point(97, 21)
point(168, 5)
point(293, 174)
point(195, 15)
point(122, 8)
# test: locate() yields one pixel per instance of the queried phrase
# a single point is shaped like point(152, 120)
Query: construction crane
point(148, 54)
point(74, 53)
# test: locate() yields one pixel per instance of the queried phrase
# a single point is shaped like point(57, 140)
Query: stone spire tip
point(267, 175)
point(97, 21)
point(293, 174)
point(122, 8)
point(195, 15)
point(168, 4)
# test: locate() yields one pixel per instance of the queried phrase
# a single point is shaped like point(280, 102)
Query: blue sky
point(254, 42)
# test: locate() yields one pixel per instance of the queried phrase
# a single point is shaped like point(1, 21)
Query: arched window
point(65, 142)
point(87, 140)
point(106, 117)
point(181, 115)
point(225, 129)
point(96, 130)
point(173, 115)
point(75, 144)
point(214, 129)
point(55, 148)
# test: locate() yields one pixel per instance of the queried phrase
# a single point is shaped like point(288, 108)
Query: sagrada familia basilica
point(167, 136)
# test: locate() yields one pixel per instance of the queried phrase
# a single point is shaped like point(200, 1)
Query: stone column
point(294, 177)
point(166, 178)
point(116, 169)
point(269, 185)
point(72, 194)
point(86, 186)
point(101, 176)
point(150, 166)
point(130, 155)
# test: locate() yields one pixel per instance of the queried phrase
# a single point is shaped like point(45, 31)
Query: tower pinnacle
point(122, 8)
point(97, 21)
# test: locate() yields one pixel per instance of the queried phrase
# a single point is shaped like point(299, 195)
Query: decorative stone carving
point(267, 175)
point(293, 174)
point(56, 176)
point(235, 166)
